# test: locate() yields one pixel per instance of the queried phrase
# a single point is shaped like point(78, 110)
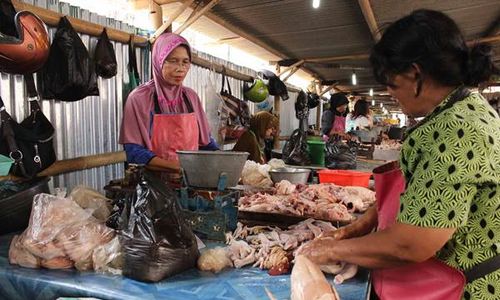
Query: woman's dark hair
point(336, 100)
point(361, 108)
point(433, 41)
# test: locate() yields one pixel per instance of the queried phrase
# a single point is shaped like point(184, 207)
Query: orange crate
point(344, 177)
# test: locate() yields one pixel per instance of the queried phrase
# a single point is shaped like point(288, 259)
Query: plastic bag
point(60, 235)
point(68, 74)
point(157, 241)
point(340, 155)
point(104, 57)
point(255, 174)
point(86, 197)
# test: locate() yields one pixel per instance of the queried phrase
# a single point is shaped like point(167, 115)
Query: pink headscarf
point(135, 127)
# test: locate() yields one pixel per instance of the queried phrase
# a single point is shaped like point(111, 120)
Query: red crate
point(344, 177)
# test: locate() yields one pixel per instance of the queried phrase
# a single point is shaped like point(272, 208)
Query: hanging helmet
point(27, 53)
point(257, 92)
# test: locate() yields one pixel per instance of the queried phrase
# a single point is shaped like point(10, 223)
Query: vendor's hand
point(342, 233)
point(319, 251)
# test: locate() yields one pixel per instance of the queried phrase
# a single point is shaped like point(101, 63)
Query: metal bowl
point(293, 175)
point(203, 168)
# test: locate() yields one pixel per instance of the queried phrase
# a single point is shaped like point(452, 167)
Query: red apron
point(338, 125)
point(172, 132)
point(429, 280)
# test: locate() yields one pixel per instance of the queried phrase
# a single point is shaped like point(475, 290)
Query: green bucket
point(316, 152)
point(5, 164)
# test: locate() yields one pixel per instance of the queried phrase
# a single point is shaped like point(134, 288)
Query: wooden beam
point(171, 19)
point(490, 39)
point(277, 111)
point(161, 2)
point(252, 39)
point(78, 164)
point(196, 16)
point(219, 68)
point(367, 11)
point(297, 64)
point(51, 18)
point(327, 89)
point(155, 14)
point(295, 69)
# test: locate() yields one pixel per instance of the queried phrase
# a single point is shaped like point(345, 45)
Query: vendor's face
point(270, 132)
point(402, 89)
point(176, 66)
point(341, 108)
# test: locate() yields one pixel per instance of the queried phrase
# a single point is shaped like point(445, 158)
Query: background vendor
point(333, 120)
point(263, 125)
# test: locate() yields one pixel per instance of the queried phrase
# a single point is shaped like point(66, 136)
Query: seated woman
point(360, 118)
point(263, 126)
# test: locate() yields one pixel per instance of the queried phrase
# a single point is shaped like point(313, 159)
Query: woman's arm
point(397, 245)
point(160, 164)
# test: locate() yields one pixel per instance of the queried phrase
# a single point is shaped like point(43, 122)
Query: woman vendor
point(438, 214)
point(163, 116)
point(263, 126)
point(333, 120)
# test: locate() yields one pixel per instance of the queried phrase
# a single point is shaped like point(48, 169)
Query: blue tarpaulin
point(247, 283)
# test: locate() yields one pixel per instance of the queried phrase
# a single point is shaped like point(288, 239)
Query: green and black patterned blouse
point(451, 165)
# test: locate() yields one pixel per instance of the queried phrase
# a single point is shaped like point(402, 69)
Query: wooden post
point(277, 109)
point(155, 14)
point(171, 19)
point(318, 108)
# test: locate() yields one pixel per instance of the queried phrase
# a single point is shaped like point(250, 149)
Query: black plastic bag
point(312, 100)
point(104, 57)
point(68, 74)
point(340, 155)
point(7, 14)
point(157, 241)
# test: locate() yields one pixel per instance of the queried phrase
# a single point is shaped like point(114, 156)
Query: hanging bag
point(68, 74)
point(30, 143)
point(104, 57)
point(133, 74)
point(235, 113)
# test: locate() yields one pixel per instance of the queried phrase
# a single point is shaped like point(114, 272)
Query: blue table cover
point(247, 283)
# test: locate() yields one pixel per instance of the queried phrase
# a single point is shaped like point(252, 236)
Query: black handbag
point(29, 143)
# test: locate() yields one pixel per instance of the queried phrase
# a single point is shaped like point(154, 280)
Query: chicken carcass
point(309, 283)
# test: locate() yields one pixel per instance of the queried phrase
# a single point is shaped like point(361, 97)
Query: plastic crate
point(210, 213)
point(344, 177)
point(5, 164)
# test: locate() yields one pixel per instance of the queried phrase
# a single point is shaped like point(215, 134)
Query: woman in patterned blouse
point(450, 161)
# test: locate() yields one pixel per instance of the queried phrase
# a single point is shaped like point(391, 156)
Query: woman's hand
point(362, 226)
point(320, 251)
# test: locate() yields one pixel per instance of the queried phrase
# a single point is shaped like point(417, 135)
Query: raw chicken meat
point(214, 260)
point(18, 255)
point(285, 187)
point(309, 283)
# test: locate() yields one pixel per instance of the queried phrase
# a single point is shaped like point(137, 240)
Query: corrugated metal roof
point(294, 29)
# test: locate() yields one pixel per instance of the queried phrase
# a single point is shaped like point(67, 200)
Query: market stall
point(247, 283)
point(254, 220)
